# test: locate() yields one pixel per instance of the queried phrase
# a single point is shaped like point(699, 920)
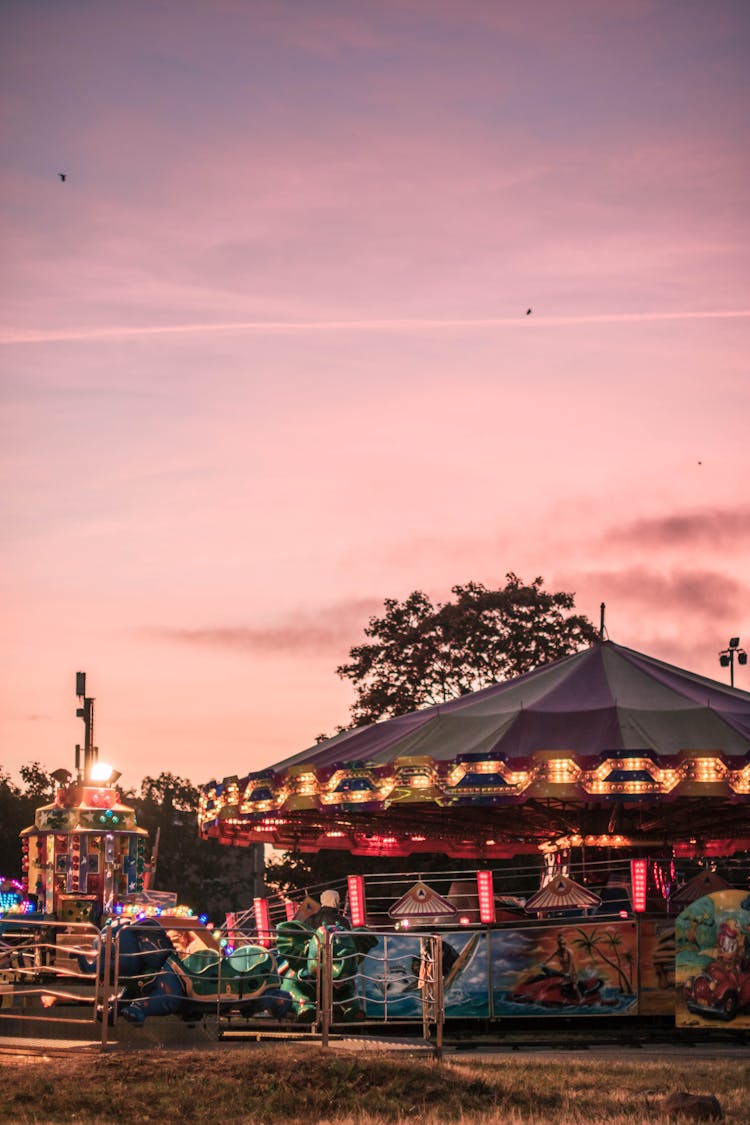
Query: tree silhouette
point(207, 875)
point(422, 654)
point(17, 808)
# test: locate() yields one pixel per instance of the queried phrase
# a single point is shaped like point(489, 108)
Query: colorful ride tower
point(84, 851)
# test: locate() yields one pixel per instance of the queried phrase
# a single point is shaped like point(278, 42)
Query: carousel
point(615, 781)
point(608, 748)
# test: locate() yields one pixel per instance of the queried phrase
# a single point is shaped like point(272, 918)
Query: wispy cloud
point(327, 631)
point(698, 594)
point(708, 526)
point(113, 332)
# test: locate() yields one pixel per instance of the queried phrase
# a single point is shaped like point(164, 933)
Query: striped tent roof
point(572, 752)
point(607, 697)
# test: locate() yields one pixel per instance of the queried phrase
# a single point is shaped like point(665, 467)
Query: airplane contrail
point(114, 332)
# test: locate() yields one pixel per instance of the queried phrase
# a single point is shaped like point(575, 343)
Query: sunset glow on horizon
point(266, 359)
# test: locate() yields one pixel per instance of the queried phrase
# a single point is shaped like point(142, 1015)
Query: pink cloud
point(324, 632)
point(710, 527)
point(699, 594)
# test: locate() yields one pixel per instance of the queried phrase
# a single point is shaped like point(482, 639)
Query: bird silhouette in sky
point(528, 312)
point(62, 176)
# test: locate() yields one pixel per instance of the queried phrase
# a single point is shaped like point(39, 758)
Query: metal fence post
point(325, 986)
point(106, 983)
point(439, 998)
point(218, 995)
point(425, 983)
point(431, 981)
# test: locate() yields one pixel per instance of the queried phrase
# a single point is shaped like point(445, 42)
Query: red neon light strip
point(356, 887)
point(638, 868)
point(262, 920)
point(486, 894)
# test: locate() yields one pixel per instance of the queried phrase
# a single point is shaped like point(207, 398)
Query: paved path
point(648, 1052)
point(464, 1049)
point(22, 1045)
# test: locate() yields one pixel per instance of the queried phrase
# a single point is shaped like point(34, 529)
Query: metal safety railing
point(43, 978)
point(316, 981)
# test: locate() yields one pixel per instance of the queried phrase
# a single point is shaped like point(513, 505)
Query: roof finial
point(602, 626)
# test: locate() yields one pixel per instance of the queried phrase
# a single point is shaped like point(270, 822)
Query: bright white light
point(100, 771)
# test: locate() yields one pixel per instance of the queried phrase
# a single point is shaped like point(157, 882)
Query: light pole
point(726, 658)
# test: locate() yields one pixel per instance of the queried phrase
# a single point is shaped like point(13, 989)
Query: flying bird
point(528, 312)
point(62, 176)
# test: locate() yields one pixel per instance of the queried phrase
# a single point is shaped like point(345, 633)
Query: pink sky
point(265, 359)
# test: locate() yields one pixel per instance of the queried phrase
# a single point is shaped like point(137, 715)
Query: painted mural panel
point(587, 969)
point(466, 975)
point(712, 961)
point(657, 953)
point(572, 970)
point(390, 976)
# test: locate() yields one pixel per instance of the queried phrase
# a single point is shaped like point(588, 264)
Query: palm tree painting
point(606, 945)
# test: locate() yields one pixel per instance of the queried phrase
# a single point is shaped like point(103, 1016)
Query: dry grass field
point(290, 1084)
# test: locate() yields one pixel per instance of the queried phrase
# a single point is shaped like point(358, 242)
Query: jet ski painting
point(572, 970)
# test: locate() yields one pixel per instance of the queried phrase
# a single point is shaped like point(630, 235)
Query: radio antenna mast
point(85, 712)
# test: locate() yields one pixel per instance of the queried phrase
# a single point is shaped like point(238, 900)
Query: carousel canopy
point(606, 747)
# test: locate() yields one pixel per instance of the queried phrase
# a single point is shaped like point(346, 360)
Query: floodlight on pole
point(727, 655)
